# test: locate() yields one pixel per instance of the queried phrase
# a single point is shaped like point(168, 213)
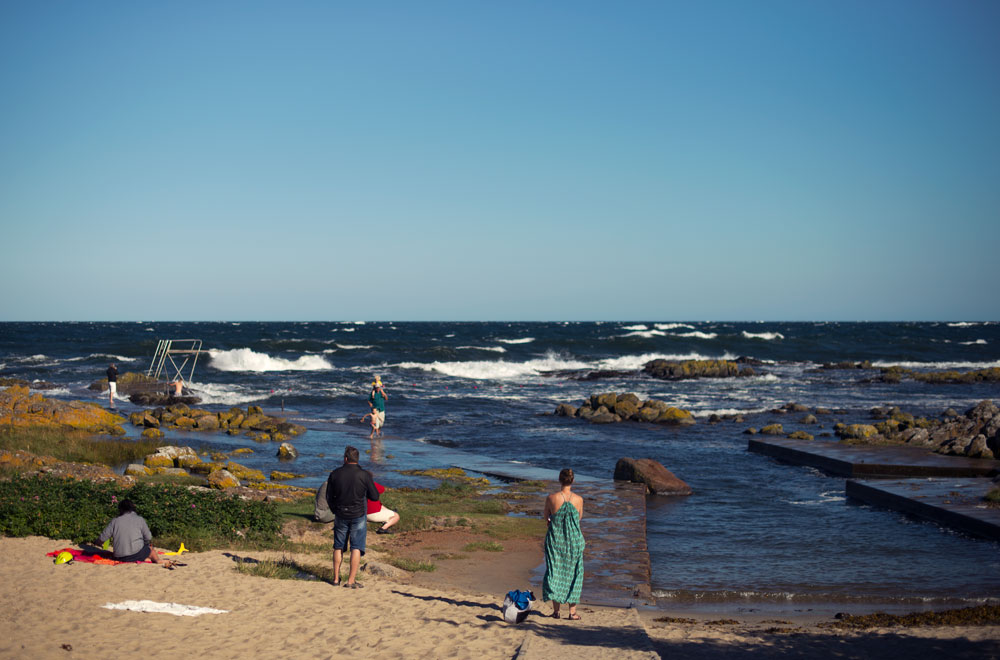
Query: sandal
point(574, 617)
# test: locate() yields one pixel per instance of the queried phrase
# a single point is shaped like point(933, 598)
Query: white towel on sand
point(169, 608)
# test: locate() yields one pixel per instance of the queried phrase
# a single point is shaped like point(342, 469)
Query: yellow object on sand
point(63, 558)
point(179, 551)
point(107, 545)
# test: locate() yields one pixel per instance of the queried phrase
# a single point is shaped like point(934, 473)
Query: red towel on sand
point(93, 557)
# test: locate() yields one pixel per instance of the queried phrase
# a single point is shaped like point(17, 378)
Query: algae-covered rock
point(158, 461)
point(172, 472)
point(672, 370)
point(751, 431)
point(647, 414)
point(856, 431)
point(222, 479)
point(152, 434)
point(626, 408)
point(673, 415)
point(207, 423)
point(287, 451)
point(799, 435)
point(773, 429)
point(206, 467)
point(284, 476)
point(242, 450)
point(136, 470)
point(244, 473)
point(184, 422)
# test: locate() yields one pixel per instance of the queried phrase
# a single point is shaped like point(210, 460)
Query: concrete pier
point(952, 502)
point(871, 461)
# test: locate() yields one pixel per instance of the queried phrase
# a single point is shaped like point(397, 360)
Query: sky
point(701, 160)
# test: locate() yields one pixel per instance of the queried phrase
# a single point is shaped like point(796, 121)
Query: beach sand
point(51, 611)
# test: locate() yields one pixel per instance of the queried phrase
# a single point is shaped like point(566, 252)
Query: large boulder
point(222, 479)
point(287, 451)
point(658, 479)
point(565, 410)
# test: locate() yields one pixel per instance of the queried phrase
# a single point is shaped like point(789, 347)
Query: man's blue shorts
point(142, 555)
point(356, 528)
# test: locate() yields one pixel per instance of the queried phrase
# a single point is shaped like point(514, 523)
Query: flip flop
point(555, 615)
point(574, 617)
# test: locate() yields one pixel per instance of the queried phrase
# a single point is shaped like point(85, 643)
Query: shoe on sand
point(382, 530)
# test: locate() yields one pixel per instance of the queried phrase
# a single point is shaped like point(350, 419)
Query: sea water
point(755, 532)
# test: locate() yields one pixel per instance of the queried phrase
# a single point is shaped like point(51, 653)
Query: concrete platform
point(870, 461)
point(951, 502)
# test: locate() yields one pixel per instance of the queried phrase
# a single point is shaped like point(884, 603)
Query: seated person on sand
point(131, 537)
point(378, 513)
point(178, 386)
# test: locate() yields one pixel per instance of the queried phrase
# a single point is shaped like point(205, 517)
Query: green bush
point(79, 510)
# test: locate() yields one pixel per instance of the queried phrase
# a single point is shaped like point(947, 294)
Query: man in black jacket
point(348, 490)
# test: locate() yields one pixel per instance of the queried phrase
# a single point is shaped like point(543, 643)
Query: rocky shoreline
point(611, 407)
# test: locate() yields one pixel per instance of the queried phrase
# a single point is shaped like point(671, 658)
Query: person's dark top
point(112, 375)
point(348, 490)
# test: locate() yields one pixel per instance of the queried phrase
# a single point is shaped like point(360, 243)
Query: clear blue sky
point(500, 160)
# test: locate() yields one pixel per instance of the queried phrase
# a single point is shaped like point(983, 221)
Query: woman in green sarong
point(563, 547)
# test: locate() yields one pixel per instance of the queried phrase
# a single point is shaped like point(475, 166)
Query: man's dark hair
point(351, 454)
point(125, 506)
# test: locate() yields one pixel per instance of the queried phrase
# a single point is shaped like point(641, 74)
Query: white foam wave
point(673, 326)
point(729, 411)
point(635, 327)
point(767, 336)
point(962, 324)
point(103, 356)
point(38, 357)
point(494, 349)
point(150, 330)
point(352, 347)
point(213, 393)
point(938, 365)
point(522, 340)
point(979, 342)
point(245, 359)
point(645, 334)
point(631, 362)
point(824, 498)
point(500, 369)
point(352, 322)
point(60, 391)
point(698, 334)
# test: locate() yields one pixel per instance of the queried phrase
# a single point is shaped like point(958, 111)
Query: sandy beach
point(52, 611)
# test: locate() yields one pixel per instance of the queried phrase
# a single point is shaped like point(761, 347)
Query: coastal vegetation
point(75, 446)
point(981, 615)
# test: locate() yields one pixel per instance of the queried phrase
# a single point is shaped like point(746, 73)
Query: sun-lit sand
point(51, 611)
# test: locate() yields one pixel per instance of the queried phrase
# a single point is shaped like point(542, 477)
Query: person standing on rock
point(112, 384)
point(564, 546)
point(348, 490)
point(377, 402)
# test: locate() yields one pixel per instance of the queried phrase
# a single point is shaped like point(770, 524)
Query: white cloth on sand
point(168, 608)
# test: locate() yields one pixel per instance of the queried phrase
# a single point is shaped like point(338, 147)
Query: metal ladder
point(166, 349)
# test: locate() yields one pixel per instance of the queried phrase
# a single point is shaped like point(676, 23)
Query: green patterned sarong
point(564, 545)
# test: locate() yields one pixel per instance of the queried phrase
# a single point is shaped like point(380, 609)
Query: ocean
point(755, 532)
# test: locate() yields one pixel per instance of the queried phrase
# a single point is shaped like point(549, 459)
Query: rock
point(284, 476)
point(796, 407)
point(136, 470)
point(222, 479)
point(188, 461)
point(647, 414)
point(978, 448)
point(857, 431)
point(152, 434)
point(254, 410)
point(677, 416)
point(608, 400)
point(604, 418)
point(658, 479)
point(172, 472)
point(241, 450)
point(917, 437)
point(205, 467)
point(184, 423)
point(565, 410)
point(809, 419)
point(822, 411)
point(950, 412)
point(750, 431)
point(207, 423)
point(982, 412)
point(773, 429)
point(670, 370)
point(243, 472)
point(800, 435)
point(286, 451)
point(626, 408)
point(158, 461)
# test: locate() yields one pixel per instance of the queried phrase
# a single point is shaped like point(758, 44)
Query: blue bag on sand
point(516, 605)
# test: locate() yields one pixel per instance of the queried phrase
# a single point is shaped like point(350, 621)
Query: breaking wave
point(767, 336)
point(245, 359)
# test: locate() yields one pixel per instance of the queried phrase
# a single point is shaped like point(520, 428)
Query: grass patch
point(441, 556)
point(77, 447)
point(178, 480)
point(511, 528)
point(982, 615)
point(283, 569)
point(411, 565)
point(487, 546)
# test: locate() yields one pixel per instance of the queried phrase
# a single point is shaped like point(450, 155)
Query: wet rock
point(565, 410)
point(751, 431)
point(773, 429)
point(136, 470)
point(684, 369)
point(809, 419)
point(800, 435)
point(286, 451)
point(658, 479)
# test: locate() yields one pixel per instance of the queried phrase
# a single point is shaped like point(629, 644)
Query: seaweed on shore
point(980, 615)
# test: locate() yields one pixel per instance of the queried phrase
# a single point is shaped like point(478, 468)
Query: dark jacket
point(348, 490)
